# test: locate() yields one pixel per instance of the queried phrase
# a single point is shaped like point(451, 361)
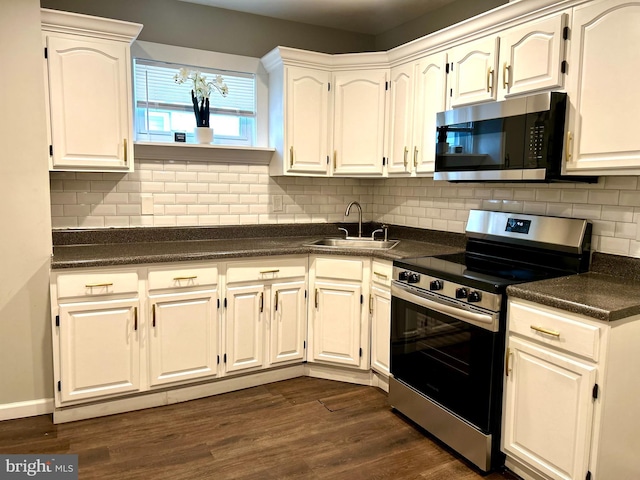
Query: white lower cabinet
point(118, 331)
point(99, 349)
point(245, 327)
point(567, 411)
point(96, 333)
point(380, 313)
point(549, 409)
point(338, 321)
point(265, 321)
point(288, 332)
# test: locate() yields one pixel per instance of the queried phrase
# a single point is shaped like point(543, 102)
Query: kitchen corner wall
point(190, 194)
point(197, 193)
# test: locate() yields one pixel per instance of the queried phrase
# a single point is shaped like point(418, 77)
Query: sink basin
point(354, 242)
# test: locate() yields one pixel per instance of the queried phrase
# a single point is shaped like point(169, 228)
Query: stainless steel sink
point(354, 242)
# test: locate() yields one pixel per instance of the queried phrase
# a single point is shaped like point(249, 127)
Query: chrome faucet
point(348, 210)
point(384, 229)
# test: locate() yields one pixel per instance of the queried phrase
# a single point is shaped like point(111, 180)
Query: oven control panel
point(452, 290)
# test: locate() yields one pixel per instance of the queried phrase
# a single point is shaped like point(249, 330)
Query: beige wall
point(443, 17)
point(197, 26)
point(25, 242)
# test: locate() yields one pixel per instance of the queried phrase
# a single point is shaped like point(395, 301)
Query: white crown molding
point(88, 26)
point(493, 21)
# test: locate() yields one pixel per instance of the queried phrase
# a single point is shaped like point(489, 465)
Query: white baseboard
point(189, 392)
point(340, 374)
point(31, 408)
point(182, 394)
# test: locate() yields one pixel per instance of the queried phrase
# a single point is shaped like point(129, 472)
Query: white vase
point(204, 134)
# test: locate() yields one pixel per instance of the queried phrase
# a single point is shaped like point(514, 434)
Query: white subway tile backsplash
point(76, 210)
point(89, 198)
point(199, 193)
point(574, 196)
point(618, 214)
point(604, 197)
point(621, 183)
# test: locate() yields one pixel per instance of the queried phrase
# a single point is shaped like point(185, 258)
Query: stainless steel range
point(448, 323)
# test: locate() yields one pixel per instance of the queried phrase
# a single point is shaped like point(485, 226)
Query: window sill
point(192, 152)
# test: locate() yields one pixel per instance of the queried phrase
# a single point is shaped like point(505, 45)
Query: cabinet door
point(604, 99)
point(400, 119)
point(430, 98)
point(337, 324)
point(473, 71)
point(245, 327)
point(89, 104)
point(183, 336)
point(307, 120)
point(548, 410)
point(380, 311)
point(359, 118)
point(288, 322)
point(531, 56)
point(99, 349)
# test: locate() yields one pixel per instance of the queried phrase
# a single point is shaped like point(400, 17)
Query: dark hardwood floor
point(304, 428)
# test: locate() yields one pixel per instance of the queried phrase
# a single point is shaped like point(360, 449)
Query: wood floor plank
point(304, 428)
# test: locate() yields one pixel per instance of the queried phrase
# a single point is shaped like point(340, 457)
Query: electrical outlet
point(147, 204)
point(277, 203)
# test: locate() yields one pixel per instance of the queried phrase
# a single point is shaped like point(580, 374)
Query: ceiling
point(363, 16)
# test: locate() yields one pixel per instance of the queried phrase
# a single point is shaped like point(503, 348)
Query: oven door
point(445, 353)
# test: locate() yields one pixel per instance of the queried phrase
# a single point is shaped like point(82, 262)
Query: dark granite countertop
point(597, 295)
point(101, 255)
point(139, 247)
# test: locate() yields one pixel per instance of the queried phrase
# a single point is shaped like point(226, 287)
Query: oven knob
point(413, 278)
point(403, 276)
point(435, 285)
point(461, 293)
point(474, 296)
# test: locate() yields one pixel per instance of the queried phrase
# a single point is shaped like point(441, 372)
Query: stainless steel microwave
point(519, 139)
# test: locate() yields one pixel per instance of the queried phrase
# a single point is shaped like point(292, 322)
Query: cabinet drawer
point(555, 328)
point(381, 272)
point(96, 283)
point(182, 277)
point(346, 269)
point(266, 269)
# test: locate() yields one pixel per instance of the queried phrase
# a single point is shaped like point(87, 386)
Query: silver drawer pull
point(95, 285)
point(545, 331)
point(269, 271)
point(185, 278)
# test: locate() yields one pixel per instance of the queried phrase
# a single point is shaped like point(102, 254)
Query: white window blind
point(163, 106)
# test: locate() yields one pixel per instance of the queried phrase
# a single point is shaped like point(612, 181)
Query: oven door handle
point(482, 320)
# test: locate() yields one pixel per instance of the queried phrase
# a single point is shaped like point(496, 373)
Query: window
point(163, 107)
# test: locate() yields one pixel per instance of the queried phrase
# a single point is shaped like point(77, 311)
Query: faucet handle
point(346, 232)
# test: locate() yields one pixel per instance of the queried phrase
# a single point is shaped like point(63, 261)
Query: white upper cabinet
point(417, 93)
point(307, 120)
point(401, 99)
point(531, 56)
point(473, 71)
point(430, 98)
point(359, 121)
point(604, 98)
point(88, 81)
